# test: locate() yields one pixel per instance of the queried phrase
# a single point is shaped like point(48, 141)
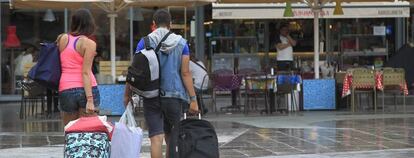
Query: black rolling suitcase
point(193, 138)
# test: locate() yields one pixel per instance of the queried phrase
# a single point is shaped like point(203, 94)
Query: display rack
point(361, 45)
point(236, 44)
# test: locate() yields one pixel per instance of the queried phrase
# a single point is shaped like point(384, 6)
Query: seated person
point(199, 72)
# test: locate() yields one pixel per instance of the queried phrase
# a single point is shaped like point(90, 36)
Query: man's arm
point(188, 82)
point(279, 45)
point(127, 94)
point(291, 41)
point(282, 46)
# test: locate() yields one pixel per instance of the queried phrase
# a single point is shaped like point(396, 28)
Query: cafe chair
point(363, 80)
point(286, 82)
point(33, 96)
point(339, 81)
point(225, 82)
point(393, 80)
point(247, 71)
point(256, 85)
point(204, 94)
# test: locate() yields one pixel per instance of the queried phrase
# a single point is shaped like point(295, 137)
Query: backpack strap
point(161, 93)
point(200, 66)
point(162, 40)
point(147, 43)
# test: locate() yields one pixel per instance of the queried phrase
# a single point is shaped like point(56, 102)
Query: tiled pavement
point(303, 135)
point(348, 136)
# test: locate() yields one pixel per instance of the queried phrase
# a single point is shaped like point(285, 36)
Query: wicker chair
point(256, 85)
point(392, 80)
point(363, 80)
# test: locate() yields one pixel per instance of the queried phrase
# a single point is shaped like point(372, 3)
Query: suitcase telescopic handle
point(185, 116)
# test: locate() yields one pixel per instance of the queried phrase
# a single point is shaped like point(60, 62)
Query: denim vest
point(172, 85)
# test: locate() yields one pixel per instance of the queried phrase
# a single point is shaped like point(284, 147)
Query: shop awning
point(62, 4)
point(55, 4)
point(302, 11)
point(112, 7)
point(165, 3)
point(283, 1)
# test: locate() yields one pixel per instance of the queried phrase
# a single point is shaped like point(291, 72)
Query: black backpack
point(193, 138)
point(144, 72)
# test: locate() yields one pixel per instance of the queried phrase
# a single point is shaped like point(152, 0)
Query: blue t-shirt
point(141, 46)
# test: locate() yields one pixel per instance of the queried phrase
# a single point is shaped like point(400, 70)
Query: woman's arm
point(88, 48)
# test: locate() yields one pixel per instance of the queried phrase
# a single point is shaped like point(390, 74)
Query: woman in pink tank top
point(78, 92)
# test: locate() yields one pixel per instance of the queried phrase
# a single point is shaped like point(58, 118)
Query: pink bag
point(90, 124)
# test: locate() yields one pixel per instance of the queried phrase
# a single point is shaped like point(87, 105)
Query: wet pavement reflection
point(326, 137)
point(239, 140)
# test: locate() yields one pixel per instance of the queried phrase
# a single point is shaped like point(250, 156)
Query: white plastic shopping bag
point(127, 137)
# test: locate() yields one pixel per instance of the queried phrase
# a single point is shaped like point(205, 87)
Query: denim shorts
point(73, 99)
point(161, 116)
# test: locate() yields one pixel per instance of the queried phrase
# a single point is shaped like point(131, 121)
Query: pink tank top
point(71, 62)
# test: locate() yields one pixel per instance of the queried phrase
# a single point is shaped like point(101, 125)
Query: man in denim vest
point(176, 84)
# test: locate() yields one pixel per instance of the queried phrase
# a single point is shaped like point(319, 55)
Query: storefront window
point(32, 27)
point(356, 42)
point(237, 36)
point(410, 31)
point(181, 19)
point(102, 35)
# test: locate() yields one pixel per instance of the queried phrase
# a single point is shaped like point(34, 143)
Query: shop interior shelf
point(234, 37)
point(364, 53)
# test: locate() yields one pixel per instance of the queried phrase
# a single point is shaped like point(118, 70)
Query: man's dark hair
point(284, 25)
point(162, 17)
point(82, 23)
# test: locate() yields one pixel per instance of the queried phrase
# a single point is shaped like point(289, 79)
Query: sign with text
point(379, 30)
point(275, 11)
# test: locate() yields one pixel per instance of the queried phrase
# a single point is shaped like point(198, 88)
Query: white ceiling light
point(49, 16)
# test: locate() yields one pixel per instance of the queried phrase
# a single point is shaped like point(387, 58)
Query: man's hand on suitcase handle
point(193, 107)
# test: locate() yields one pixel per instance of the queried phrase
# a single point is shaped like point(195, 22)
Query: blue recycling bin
point(112, 96)
point(319, 94)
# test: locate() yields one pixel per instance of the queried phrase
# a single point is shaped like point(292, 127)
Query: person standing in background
point(284, 46)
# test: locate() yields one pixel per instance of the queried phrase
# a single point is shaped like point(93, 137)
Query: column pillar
point(400, 30)
point(200, 33)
